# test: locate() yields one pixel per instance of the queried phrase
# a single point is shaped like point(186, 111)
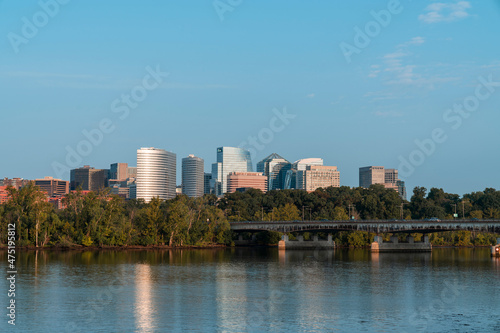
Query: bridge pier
point(242, 242)
point(394, 245)
point(300, 243)
point(495, 250)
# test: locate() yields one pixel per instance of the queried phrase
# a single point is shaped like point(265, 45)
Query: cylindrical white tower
point(193, 174)
point(156, 174)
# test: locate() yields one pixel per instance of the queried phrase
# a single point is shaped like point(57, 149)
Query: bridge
point(373, 226)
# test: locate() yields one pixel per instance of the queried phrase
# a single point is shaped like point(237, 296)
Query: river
point(253, 290)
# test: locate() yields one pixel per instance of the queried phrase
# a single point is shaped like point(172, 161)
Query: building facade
point(193, 176)
point(229, 159)
point(53, 187)
point(295, 179)
point(316, 176)
point(207, 183)
point(246, 180)
point(16, 183)
point(274, 167)
point(88, 179)
point(156, 174)
point(372, 175)
point(4, 195)
point(118, 171)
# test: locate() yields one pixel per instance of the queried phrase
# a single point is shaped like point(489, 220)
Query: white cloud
point(445, 12)
point(312, 95)
point(400, 71)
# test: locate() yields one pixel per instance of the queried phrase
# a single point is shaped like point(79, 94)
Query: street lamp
point(455, 214)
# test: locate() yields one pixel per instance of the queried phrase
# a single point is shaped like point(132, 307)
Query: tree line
point(103, 219)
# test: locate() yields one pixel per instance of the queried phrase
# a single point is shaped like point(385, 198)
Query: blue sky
point(232, 64)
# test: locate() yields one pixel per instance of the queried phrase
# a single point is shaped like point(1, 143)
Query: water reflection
point(249, 290)
point(144, 311)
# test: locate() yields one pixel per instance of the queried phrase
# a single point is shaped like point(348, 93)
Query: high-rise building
point(156, 174)
point(229, 159)
point(53, 187)
point(88, 178)
point(372, 175)
point(207, 183)
point(118, 171)
point(391, 175)
point(245, 180)
point(316, 176)
point(274, 167)
point(295, 179)
point(193, 176)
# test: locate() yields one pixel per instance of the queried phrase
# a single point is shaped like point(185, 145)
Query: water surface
point(254, 290)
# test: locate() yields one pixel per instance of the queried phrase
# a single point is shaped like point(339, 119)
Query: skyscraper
point(274, 167)
point(229, 159)
point(156, 174)
point(193, 176)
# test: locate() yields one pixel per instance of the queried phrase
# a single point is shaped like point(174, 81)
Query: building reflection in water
point(144, 309)
point(232, 302)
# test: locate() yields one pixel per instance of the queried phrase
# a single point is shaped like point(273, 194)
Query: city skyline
point(411, 77)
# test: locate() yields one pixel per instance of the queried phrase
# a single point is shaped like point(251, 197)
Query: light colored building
point(318, 176)
point(295, 179)
point(193, 176)
point(229, 159)
point(274, 167)
point(156, 174)
point(391, 175)
point(53, 187)
point(372, 175)
point(118, 171)
point(132, 172)
point(246, 180)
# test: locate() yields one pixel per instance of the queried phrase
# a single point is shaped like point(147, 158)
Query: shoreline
point(205, 247)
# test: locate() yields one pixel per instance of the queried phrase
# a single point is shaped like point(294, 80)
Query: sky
point(401, 84)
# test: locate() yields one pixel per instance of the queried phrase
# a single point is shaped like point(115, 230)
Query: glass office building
point(274, 167)
point(229, 159)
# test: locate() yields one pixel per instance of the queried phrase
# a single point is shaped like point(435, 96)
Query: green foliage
point(102, 219)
